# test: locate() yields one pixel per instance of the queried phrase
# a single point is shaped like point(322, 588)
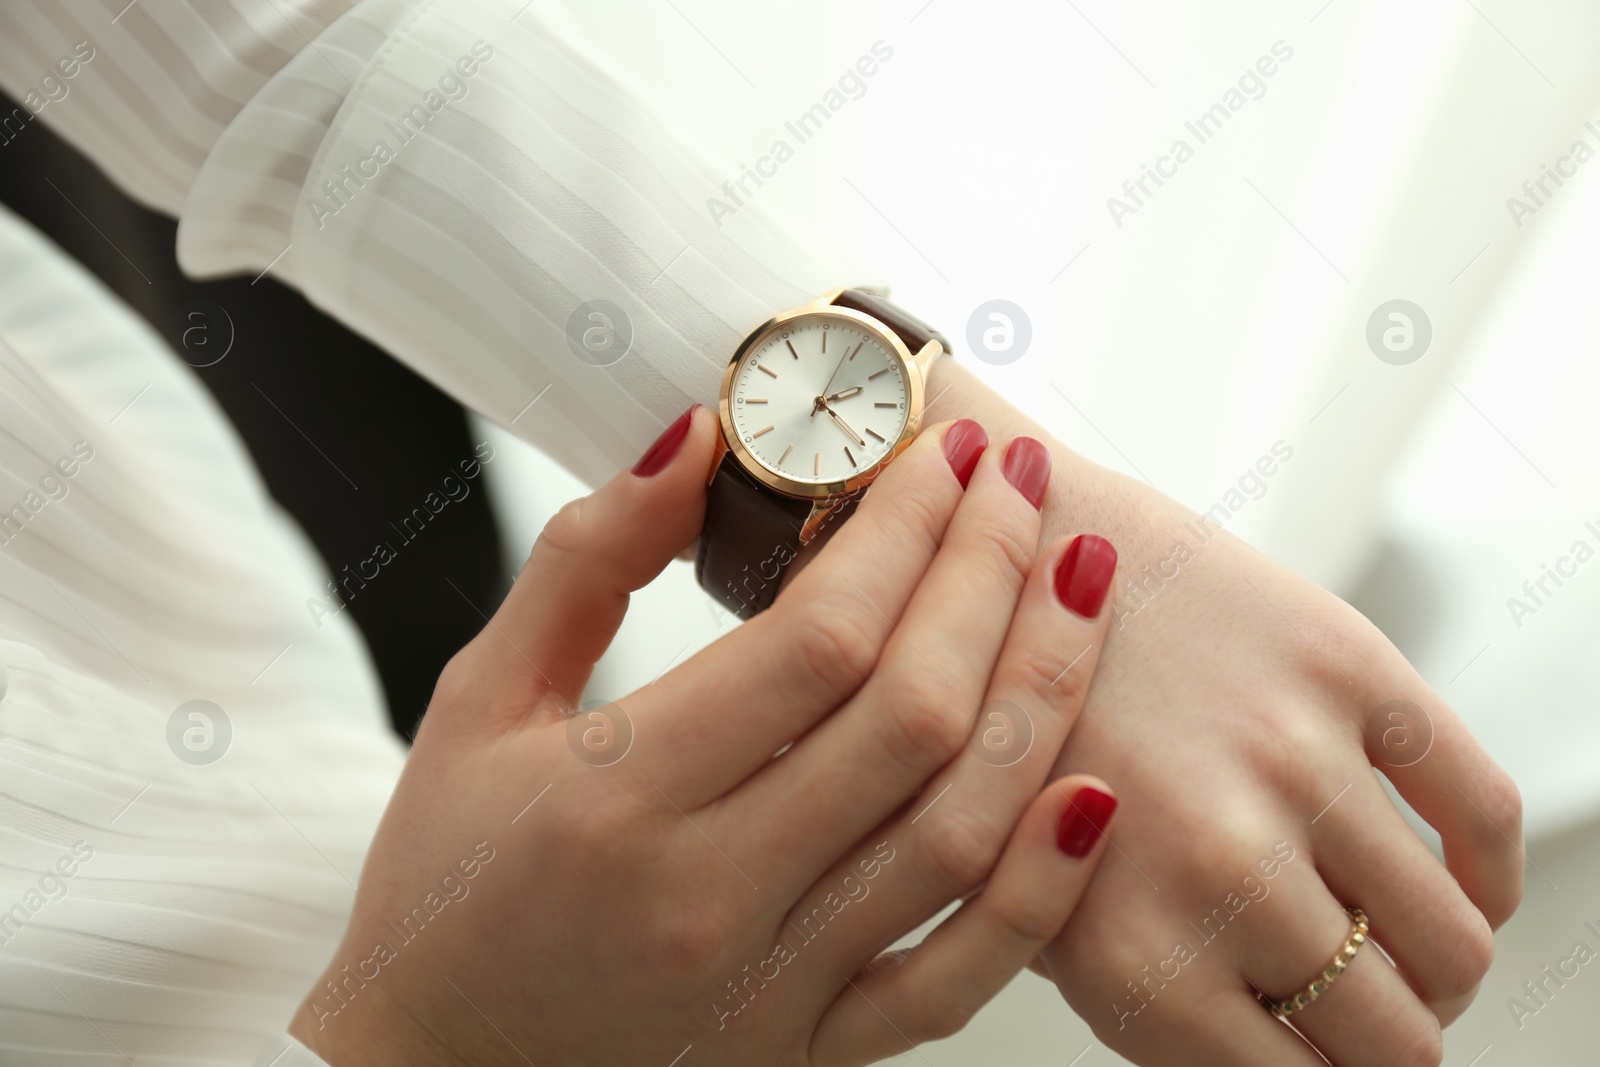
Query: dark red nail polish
point(658, 455)
point(1084, 821)
point(964, 442)
point(1027, 468)
point(1084, 574)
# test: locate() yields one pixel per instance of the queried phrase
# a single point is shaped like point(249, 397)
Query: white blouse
point(457, 181)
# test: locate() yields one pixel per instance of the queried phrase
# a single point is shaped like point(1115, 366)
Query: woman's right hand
point(530, 898)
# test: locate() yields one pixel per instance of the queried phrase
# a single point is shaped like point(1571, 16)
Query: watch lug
point(925, 357)
point(821, 512)
point(827, 298)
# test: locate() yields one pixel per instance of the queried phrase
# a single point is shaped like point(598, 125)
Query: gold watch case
point(825, 495)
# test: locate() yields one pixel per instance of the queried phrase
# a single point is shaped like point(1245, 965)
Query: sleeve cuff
point(467, 190)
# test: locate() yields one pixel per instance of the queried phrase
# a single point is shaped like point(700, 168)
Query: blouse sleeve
point(469, 184)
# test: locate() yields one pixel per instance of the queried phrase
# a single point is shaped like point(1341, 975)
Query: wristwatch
point(813, 405)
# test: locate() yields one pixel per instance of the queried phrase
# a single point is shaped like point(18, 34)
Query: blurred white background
point(1229, 311)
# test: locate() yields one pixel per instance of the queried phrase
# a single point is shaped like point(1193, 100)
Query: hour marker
point(785, 455)
point(824, 340)
point(792, 352)
point(876, 434)
point(848, 456)
point(885, 404)
point(877, 374)
point(853, 352)
point(753, 400)
point(769, 370)
point(816, 465)
point(758, 433)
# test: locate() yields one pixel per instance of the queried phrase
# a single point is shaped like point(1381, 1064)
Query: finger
point(951, 835)
point(916, 711)
point(934, 990)
point(1423, 747)
point(1156, 1002)
point(1438, 939)
point(572, 592)
point(728, 709)
point(1224, 1028)
point(1367, 1014)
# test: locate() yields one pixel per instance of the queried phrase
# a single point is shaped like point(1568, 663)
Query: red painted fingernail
point(658, 455)
point(1084, 821)
point(1084, 574)
point(1027, 468)
point(964, 442)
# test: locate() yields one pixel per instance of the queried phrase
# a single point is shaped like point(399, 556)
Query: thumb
point(572, 593)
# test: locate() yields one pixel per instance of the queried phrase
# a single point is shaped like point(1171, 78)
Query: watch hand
point(852, 391)
point(845, 426)
point(835, 373)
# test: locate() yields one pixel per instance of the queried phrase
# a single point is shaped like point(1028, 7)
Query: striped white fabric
point(521, 176)
point(455, 180)
point(202, 900)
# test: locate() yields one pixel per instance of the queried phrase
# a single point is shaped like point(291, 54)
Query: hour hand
point(852, 391)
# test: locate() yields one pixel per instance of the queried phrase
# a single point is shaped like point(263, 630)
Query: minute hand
point(836, 367)
point(845, 426)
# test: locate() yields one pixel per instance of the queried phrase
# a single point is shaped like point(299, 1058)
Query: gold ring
point(1358, 937)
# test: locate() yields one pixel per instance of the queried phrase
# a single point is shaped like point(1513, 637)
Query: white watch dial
point(820, 400)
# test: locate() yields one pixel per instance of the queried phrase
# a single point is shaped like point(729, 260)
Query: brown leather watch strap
point(912, 330)
point(752, 532)
point(751, 535)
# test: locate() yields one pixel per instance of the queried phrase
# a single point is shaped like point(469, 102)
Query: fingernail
point(1027, 468)
point(1084, 574)
point(1084, 820)
point(964, 442)
point(658, 455)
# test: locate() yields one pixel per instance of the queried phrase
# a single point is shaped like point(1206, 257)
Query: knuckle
point(687, 940)
point(465, 690)
point(1471, 953)
point(1222, 848)
point(1030, 918)
point(458, 682)
point(835, 640)
point(922, 512)
point(1502, 803)
point(604, 826)
point(1009, 550)
point(564, 533)
point(995, 548)
point(1276, 749)
point(1060, 675)
point(1498, 832)
point(1426, 1047)
point(1087, 960)
point(920, 727)
point(1330, 645)
point(957, 851)
point(942, 1015)
point(1093, 958)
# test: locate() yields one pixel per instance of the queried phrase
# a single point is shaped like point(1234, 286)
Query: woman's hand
point(1240, 707)
point(620, 886)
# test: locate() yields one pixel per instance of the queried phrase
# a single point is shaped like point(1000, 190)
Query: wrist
point(1083, 496)
point(374, 1030)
